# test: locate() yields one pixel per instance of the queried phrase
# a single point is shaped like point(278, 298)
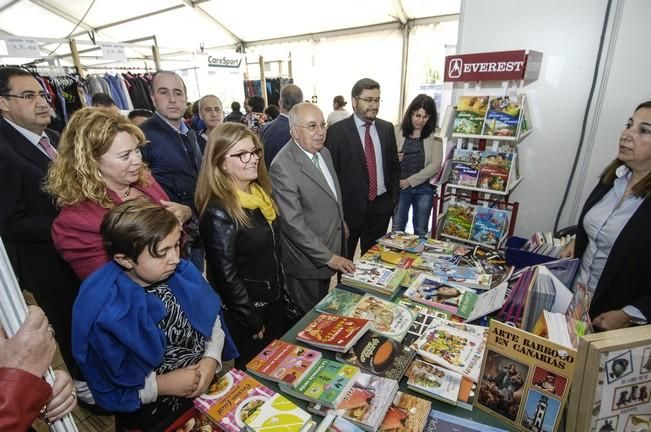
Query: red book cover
point(334, 332)
point(282, 361)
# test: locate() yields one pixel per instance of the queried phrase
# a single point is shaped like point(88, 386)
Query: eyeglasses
point(369, 99)
point(30, 96)
point(245, 156)
point(312, 127)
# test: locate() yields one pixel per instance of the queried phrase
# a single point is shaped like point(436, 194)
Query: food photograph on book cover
point(540, 411)
point(471, 111)
point(502, 384)
point(219, 388)
point(548, 381)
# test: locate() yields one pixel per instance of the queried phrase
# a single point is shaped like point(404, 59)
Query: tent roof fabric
point(189, 25)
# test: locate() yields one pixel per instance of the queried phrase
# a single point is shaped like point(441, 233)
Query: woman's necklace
point(127, 193)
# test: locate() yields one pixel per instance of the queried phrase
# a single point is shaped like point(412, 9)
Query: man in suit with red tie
point(26, 211)
point(365, 158)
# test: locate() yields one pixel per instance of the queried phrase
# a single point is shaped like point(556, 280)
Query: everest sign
point(493, 66)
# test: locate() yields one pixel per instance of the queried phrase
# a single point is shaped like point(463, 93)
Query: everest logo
point(455, 67)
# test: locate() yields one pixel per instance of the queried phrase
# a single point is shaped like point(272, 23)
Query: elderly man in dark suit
point(307, 192)
point(276, 133)
point(26, 212)
point(365, 157)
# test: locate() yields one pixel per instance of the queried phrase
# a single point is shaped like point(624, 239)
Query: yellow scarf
point(258, 198)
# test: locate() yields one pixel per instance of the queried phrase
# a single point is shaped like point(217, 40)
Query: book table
point(476, 414)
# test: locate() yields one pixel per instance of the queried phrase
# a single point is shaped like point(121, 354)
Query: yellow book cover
point(525, 379)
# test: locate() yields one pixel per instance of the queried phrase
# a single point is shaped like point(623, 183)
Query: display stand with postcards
point(612, 390)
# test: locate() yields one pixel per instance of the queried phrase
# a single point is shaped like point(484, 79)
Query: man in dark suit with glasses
point(26, 212)
point(365, 157)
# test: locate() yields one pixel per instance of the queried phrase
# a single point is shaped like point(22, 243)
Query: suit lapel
point(355, 140)
point(23, 147)
point(310, 170)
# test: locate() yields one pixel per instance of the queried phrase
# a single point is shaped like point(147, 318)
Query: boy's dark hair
point(102, 100)
point(135, 225)
point(140, 113)
point(235, 106)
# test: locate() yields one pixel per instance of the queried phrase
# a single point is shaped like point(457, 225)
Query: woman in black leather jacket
point(240, 231)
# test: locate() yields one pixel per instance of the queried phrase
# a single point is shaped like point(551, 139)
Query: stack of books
point(326, 384)
point(333, 332)
point(282, 361)
point(236, 402)
point(402, 241)
point(544, 243)
point(374, 278)
point(365, 404)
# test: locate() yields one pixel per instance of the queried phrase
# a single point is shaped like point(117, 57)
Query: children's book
point(440, 248)
point(525, 379)
point(458, 221)
point(407, 413)
point(402, 241)
point(282, 361)
point(444, 270)
point(388, 319)
point(503, 116)
point(495, 170)
point(338, 302)
point(335, 423)
point(423, 318)
point(455, 349)
point(474, 306)
point(374, 278)
point(470, 114)
point(438, 421)
point(464, 168)
point(379, 355)
point(489, 226)
point(326, 384)
point(236, 396)
point(279, 414)
point(430, 291)
point(434, 381)
point(333, 332)
point(388, 257)
point(366, 403)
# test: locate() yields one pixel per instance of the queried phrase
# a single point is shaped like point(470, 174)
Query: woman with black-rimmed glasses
point(240, 230)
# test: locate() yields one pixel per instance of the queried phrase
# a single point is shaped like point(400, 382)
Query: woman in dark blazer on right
point(240, 230)
point(614, 232)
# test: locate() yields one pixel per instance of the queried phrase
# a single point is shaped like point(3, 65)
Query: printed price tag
point(113, 51)
point(19, 47)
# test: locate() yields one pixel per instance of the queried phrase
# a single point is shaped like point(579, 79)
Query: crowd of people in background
point(211, 234)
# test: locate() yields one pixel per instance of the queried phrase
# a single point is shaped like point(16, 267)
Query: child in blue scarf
point(148, 331)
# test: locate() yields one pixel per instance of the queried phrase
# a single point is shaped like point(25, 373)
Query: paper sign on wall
point(113, 51)
point(20, 47)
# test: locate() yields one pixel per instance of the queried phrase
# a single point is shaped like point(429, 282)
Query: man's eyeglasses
point(30, 97)
point(369, 99)
point(312, 127)
point(245, 156)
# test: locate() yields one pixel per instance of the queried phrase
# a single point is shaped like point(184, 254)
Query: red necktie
point(44, 143)
point(369, 151)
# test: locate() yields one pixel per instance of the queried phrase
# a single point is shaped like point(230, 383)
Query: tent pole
point(263, 81)
point(75, 57)
point(406, 29)
point(156, 53)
